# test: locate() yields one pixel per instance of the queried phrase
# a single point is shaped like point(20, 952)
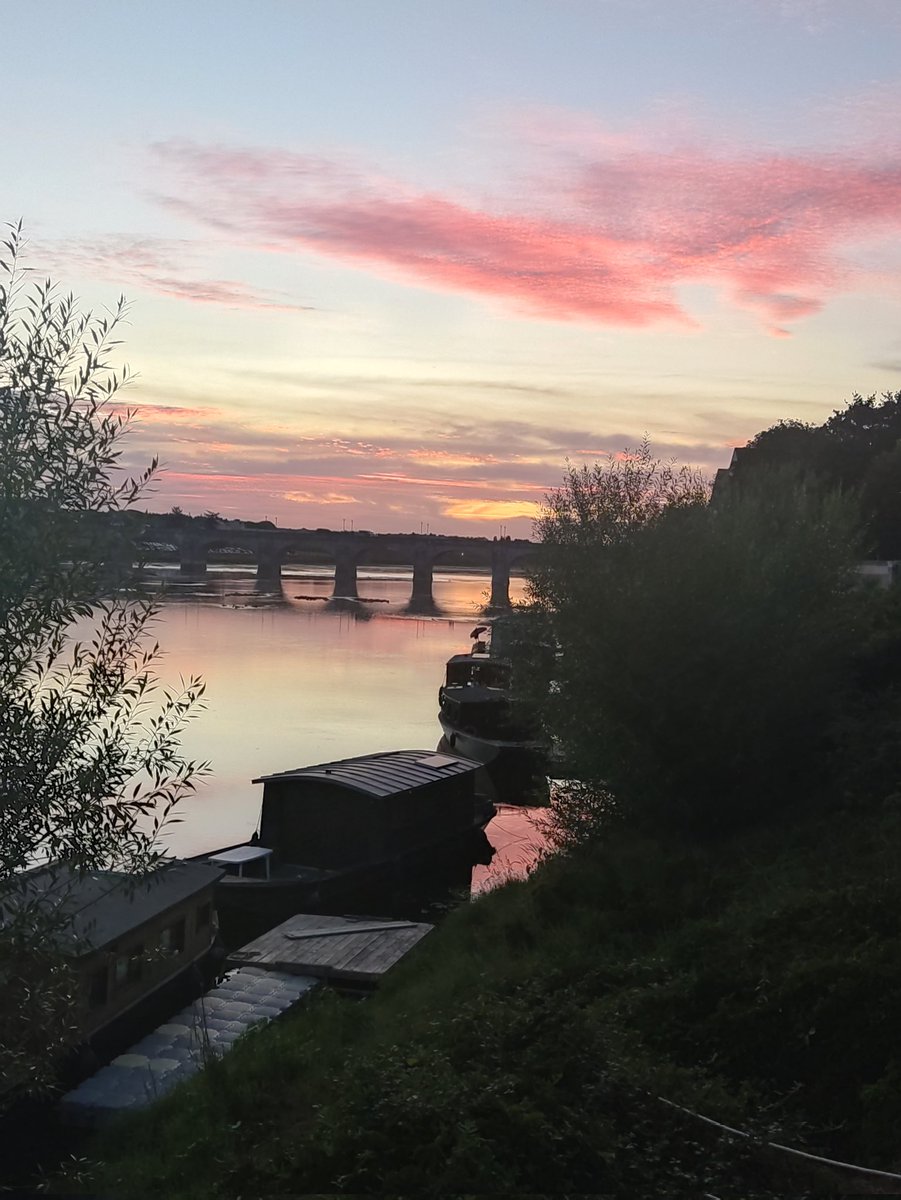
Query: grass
point(522, 1046)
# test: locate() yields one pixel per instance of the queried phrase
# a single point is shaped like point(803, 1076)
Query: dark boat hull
point(248, 906)
point(493, 752)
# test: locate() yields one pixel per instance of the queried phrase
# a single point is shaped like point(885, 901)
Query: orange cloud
point(320, 498)
point(491, 510)
point(450, 458)
point(606, 236)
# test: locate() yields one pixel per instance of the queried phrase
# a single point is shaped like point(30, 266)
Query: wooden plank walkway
point(353, 950)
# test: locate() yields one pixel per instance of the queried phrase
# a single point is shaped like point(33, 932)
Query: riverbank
point(525, 1045)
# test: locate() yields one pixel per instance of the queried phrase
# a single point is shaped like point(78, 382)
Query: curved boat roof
point(383, 774)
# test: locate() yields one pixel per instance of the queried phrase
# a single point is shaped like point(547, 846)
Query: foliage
point(523, 1046)
point(789, 978)
point(716, 662)
point(787, 444)
point(90, 765)
point(515, 1092)
point(603, 504)
point(579, 812)
point(857, 434)
point(881, 502)
point(855, 450)
point(704, 650)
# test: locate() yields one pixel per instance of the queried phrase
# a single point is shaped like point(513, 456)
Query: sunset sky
point(395, 261)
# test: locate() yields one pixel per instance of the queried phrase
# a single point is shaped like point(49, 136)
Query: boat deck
point(280, 872)
point(355, 951)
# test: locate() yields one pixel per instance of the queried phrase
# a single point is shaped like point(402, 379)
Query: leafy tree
point(850, 451)
point(704, 650)
point(880, 499)
point(90, 765)
point(605, 503)
point(786, 444)
point(597, 509)
point(857, 434)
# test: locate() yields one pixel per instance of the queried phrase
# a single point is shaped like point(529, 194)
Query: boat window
point(172, 938)
point(128, 967)
point(98, 988)
point(204, 916)
point(488, 672)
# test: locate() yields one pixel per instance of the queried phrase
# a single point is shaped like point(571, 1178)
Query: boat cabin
point(464, 669)
point(481, 710)
point(127, 935)
point(367, 810)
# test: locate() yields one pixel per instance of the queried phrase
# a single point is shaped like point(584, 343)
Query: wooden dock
point(352, 950)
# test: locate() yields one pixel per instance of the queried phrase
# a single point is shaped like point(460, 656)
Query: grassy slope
point(519, 1049)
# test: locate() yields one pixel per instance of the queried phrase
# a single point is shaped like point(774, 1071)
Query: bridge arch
point(347, 550)
point(430, 553)
point(297, 546)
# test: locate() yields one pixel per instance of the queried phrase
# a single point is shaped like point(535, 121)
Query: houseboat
point(132, 939)
point(329, 832)
point(478, 717)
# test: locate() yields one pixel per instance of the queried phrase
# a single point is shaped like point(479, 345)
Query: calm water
point(291, 682)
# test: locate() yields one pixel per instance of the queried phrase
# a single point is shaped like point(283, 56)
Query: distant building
point(725, 476)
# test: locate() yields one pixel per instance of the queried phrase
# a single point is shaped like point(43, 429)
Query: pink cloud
point(167, 415)
point(163, 267)
point(604, 237)
point(182, 477)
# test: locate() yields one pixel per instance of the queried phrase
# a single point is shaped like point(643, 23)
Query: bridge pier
point(269, 567)
point(345, 578)
point(421, 596)
point(346, 548)
point(192, 558)
point(500, 578)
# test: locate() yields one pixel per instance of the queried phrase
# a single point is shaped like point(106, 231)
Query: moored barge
point(330, 833)
point(478, 716)
point(132, 940)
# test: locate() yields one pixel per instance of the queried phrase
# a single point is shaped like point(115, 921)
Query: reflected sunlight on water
point(517, 841)
point(291, 682)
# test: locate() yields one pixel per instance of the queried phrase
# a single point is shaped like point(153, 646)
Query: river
point(291, 682)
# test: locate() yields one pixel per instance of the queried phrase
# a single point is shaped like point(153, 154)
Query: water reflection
point(454, 592)
point(294, 680)
point(516, 840)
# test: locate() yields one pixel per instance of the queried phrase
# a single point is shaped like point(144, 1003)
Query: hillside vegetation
point(719, 928)
point(523, 1046)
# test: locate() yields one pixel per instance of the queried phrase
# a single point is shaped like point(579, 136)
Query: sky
point(391, 264)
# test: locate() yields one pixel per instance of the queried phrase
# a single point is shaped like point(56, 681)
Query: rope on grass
point(817, 1158)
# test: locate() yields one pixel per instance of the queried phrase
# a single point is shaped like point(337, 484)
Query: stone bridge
point(347, 550)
